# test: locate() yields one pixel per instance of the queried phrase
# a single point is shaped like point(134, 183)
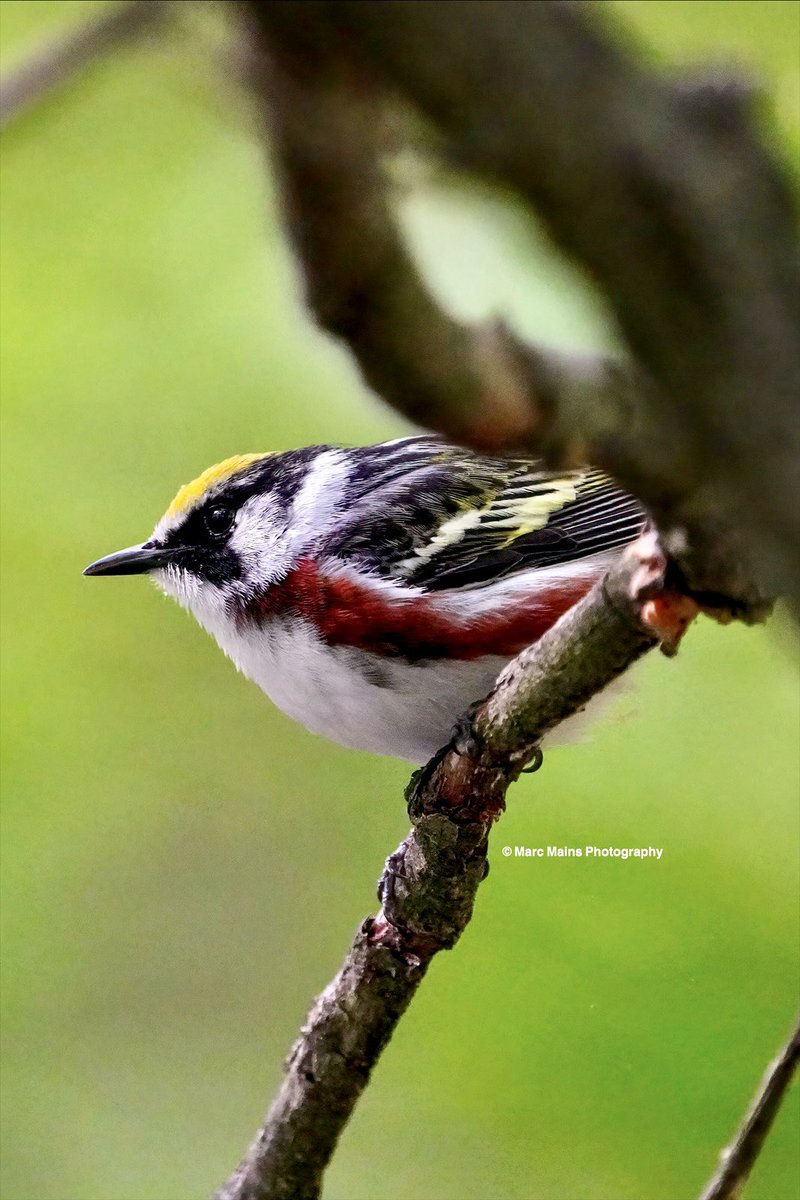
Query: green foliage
point(184, 867)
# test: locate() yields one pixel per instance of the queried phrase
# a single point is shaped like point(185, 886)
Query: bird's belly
point(370, 702)
point(356, 698)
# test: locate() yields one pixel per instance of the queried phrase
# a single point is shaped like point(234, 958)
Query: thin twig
point(428, 887)
point(738, 1159)
point(55, 63)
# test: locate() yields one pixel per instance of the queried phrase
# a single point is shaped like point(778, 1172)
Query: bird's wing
point(430, 514)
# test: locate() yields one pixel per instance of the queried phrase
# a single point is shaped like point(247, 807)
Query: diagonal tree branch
point(428, 887)
point(738, 1160)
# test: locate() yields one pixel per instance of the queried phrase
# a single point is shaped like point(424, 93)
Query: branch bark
point(738, 1159)
point(428, 887)
point(662, 189)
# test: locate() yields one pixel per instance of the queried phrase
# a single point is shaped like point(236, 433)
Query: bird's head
point(235, 530)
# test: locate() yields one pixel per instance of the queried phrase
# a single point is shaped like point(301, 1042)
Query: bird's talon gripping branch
point(468, 743)
point(465, 740)
point(535, 763)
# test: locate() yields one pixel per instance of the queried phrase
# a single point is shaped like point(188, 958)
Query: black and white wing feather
point(436, 516)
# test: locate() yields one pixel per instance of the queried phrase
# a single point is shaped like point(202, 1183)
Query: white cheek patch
point(268, 539)
point(260, 541)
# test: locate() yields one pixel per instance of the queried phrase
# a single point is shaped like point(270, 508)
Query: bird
point(374, 593)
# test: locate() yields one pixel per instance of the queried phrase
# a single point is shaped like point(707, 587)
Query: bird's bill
point(136, 560)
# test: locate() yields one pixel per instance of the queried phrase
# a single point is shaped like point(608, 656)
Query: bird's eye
point(218, 520)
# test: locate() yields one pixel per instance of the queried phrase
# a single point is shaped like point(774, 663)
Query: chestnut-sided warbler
point(374, 593)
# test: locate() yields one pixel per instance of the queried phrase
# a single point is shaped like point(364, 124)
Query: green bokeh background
point(183, 866)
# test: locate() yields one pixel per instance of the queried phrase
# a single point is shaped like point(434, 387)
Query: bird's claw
point(536, 761)
point(465, 740)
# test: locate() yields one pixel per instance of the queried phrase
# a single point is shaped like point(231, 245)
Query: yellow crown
point(190, 493)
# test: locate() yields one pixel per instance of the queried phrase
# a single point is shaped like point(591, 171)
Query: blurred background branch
point(739, 1158)
point(61, 58)
point(663, 189)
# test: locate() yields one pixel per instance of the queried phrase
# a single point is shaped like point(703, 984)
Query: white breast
point(362, 700)
point(359, 699)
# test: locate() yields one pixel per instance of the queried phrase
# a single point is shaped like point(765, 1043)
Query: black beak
point(136, 560)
